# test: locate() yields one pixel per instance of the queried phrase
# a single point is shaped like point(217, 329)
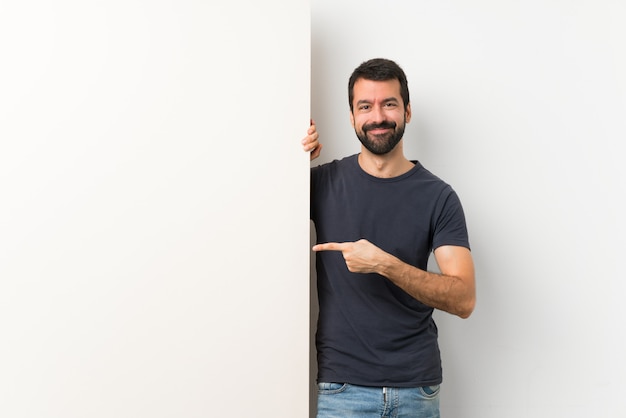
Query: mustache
point(381, 125)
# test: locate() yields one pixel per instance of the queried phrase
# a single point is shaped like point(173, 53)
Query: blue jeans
point(342, 400)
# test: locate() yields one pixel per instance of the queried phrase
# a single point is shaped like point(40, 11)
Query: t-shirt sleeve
point(450, 227)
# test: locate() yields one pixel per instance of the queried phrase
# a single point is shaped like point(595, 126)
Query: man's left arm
point(452, 291)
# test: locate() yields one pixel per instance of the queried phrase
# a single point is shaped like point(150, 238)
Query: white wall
point(520, 106)
point(154, 203)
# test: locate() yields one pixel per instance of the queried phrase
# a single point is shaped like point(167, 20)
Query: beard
point(383, 143)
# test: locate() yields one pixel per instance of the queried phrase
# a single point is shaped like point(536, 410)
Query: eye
point(364, 107)
point(391, 104)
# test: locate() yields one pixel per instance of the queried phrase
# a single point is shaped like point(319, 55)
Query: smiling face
point(378, 114)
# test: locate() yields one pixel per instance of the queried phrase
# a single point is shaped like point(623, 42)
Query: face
point(378, 115)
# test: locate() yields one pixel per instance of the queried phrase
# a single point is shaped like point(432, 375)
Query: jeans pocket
point(325, 388)
point(430, 391)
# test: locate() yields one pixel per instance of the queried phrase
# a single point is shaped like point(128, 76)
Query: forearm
point(444, 292)
point(452, 291)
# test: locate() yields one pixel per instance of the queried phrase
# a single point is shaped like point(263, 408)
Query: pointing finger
point(329, 246)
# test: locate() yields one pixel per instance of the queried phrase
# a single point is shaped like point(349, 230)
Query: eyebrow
point(387, 100)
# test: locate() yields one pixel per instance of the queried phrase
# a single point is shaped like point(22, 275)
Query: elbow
point(467, 303)
point(466, 308)
point(464, 314)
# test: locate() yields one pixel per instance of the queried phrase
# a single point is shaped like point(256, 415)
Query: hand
point(361, 256)
point(310, 143)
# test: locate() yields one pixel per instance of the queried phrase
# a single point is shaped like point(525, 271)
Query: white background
point(520, 106)
point(153, 213)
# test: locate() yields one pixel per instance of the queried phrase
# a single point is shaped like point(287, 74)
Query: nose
point(377, 114)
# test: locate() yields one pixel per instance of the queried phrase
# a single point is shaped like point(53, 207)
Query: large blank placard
point(153, 222)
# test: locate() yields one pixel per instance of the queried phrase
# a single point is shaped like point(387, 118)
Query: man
point(377, 217)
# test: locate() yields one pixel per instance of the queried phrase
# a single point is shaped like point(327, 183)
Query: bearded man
point(378, 216)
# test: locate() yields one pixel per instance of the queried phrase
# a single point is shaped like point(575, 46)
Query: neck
point(392, 164)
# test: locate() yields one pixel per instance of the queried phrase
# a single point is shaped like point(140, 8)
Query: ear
point(407, 113)
point(352, 118)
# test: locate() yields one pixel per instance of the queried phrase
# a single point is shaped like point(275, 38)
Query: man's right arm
point(310, 143)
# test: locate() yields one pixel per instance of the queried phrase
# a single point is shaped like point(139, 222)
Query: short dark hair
point(379, 69)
